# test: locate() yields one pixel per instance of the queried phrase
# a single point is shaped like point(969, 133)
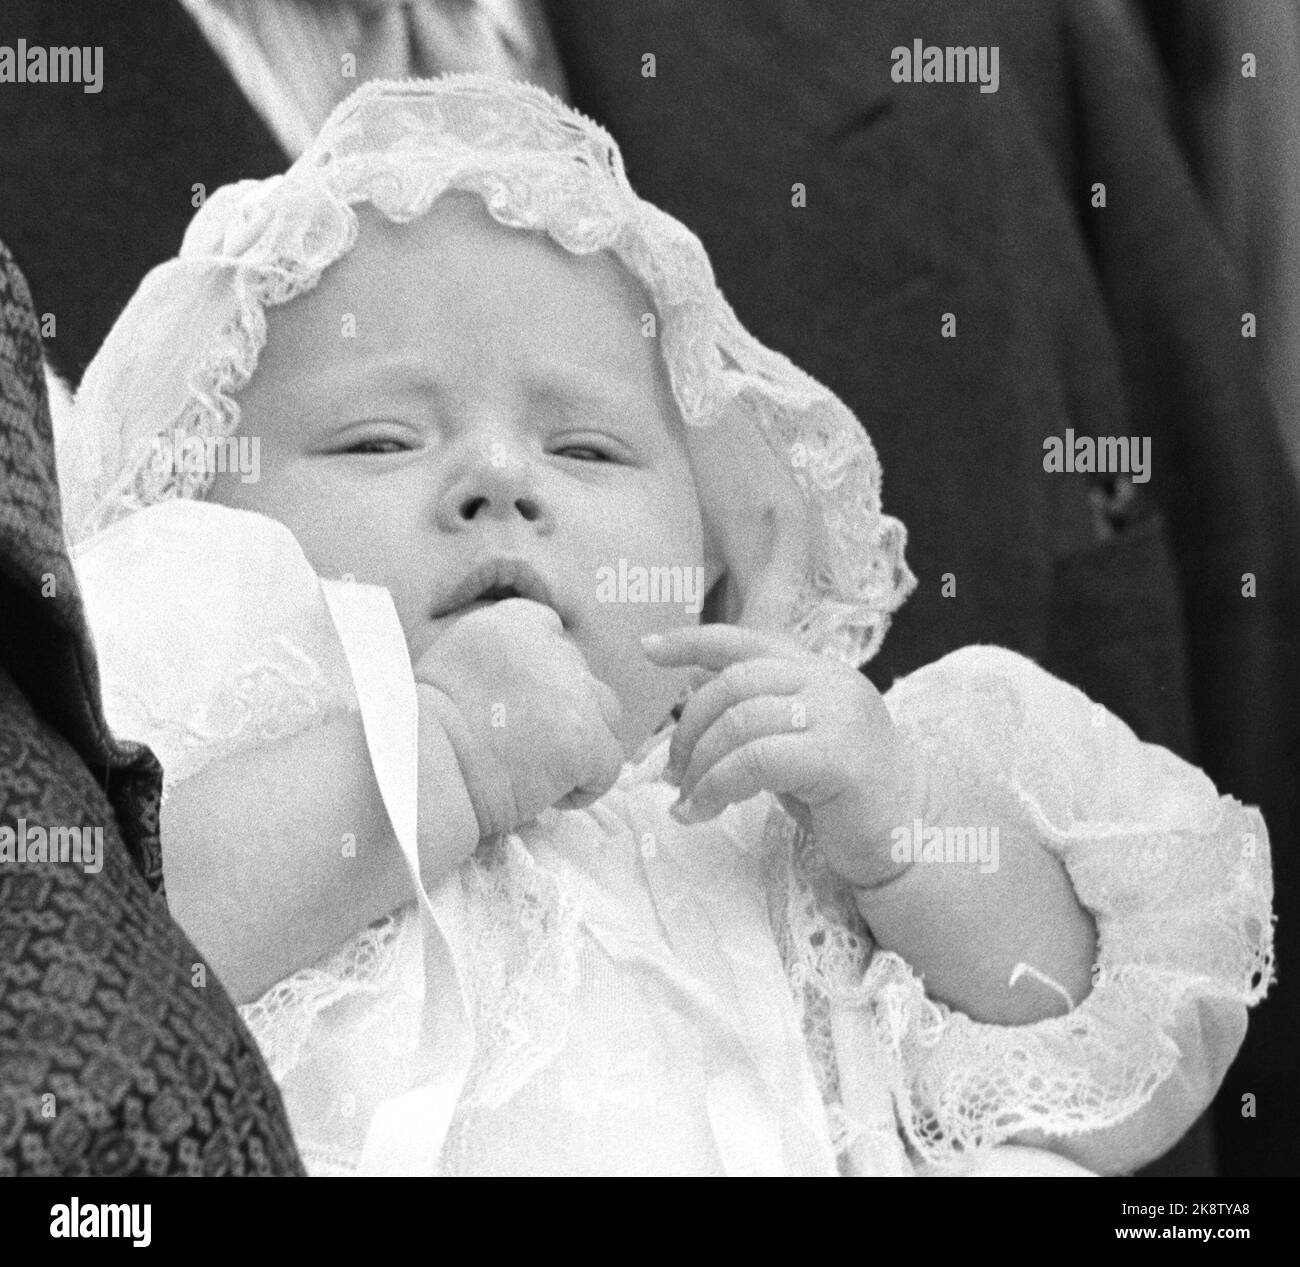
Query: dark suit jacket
point(97, 188)
point(120, 1054)
point(931, 199)
point(921, 200)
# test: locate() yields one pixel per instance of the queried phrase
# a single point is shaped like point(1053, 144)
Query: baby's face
point(455, 392)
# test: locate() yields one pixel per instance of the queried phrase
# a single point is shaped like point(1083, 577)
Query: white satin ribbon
point(406, 1133)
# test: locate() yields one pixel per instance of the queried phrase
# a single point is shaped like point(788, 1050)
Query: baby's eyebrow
point(557, 381)
point(417, 379)
point(567, 386)
point(393, 379)
point(559, 390)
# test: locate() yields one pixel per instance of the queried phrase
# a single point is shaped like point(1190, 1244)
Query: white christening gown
point(606, 991)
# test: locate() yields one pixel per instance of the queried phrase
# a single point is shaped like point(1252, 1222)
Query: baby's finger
point(775, 763)
point(572, 665)
point(611, 707)
point(747, 721)
point(530, 610)
point(735, 683)
point(714, 646)
point(602, 763)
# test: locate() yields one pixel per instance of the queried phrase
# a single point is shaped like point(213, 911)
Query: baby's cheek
point(613, 653)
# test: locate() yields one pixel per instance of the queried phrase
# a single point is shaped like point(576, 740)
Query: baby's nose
point(526, 507)
point(496, 484)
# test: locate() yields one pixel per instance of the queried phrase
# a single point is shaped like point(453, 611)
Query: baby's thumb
point(611, 707)
point(606, 757)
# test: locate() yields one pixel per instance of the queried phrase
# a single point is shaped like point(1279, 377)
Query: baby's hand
point(815, 732)
point(529, 722)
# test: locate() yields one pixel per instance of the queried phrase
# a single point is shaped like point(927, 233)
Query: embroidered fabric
point(825, 949)
point(269, 699)
point(343, 1035)
point(677, 1041)
point(522, 956)
point(190, 338)
point(523, 953)
point(244, 653)
point(281, 1020)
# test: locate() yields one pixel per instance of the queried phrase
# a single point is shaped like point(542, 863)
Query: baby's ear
point(714, 609)
point(771, 590)
point(715, 565)
point(715, 581)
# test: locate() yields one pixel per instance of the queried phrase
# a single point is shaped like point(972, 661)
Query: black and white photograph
point(650, 589)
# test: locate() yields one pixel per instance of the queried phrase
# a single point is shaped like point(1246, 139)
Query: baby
point(495, 905)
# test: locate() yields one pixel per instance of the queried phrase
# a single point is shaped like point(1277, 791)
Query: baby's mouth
point(497, 594)
point(494, 582)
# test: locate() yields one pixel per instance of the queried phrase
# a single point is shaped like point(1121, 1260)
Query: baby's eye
point(592, 454)
point(377, 446)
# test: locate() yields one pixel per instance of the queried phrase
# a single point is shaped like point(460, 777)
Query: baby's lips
point(477, 605)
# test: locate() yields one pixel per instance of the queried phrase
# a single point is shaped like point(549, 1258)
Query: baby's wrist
point(450, 816)
point(875, 864)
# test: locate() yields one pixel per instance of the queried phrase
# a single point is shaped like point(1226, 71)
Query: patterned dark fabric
point(120, 1053)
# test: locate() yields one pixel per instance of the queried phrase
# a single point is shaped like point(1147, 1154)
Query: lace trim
point(282, 1019)
point(971, 1086)
point(1179, 889)
point(524, 967)
point(825, 949)
point(523, 973)
point(958, 1086)
point(269, 699)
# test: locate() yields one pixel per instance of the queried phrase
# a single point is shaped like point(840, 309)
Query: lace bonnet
point(767, 443)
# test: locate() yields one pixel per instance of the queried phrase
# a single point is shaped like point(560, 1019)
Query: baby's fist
point(530, 724)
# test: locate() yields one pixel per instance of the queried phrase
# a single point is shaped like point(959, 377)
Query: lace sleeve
point(1177, 879)
point(211, 633)
point(343, 1036)
point(282, 1019)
